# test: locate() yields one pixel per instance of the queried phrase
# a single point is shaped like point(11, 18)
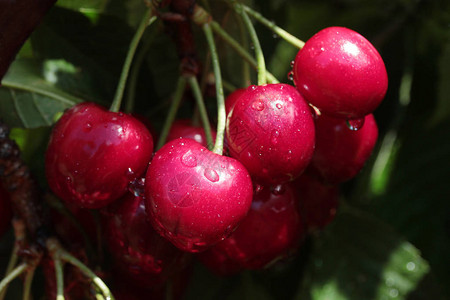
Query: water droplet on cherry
point(189, 160)
point(258, 105)
point(274, 137)
point(279, 105)
point(290, 76)
point(211, 175)
point(292, 63)
point(279, 189)
point(355, 124)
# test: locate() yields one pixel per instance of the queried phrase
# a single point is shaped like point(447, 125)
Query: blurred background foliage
point(391, 236)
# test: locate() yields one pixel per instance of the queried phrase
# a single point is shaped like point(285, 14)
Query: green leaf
point(416, 202)
point(28, 101)
point(359, 257)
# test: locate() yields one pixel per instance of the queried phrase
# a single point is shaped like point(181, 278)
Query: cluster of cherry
point(289, 147)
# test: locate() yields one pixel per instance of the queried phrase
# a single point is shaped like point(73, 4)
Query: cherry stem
point(59, 274)
point(181, 85)
point(240, 50)
point(193, 82)
point(147, 20)
point(16, 272)
point(245, 66)
point(28, 282)
point(19, 234)
point(254, 38)
point(200, 17)
point(221, 115)
point(58, 252)
point(134, 72)
point(272, 26)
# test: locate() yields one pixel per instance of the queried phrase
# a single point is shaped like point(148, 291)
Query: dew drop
point(129, 173)
point(355, 124)
point(258, 105)
point(88, 127)
point(258, 187)
point(393, 293)
point(410, 266)
point(68, 179)
point(279, 189)
point(253, 87)
point(274, 136)
point(290, 76)
point(189, 160)
point(292, 63)
point(279, 105)
point(211, 175)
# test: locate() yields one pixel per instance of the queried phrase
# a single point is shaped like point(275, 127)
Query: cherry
point(93, 154)
point(183, 128)
point(5, 210)
point(318, 201)
point(194, 197)
point(341, 73)
point(232, 98)
point(341, 152)
point(139, 252)
point(272, 229)
point(270, 131)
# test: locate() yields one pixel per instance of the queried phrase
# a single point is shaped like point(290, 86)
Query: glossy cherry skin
point(232, 98)
point(341, 152)
point(341, 73)
point(194, 197)
point(318, 201)
point(270, 130)
point(93, 154)
point(5, 210)
point(272, 230)
point(139, 252)
point(184, 129)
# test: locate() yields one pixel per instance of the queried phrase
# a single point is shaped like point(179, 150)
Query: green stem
point(12, 262)
point(134, 72)
point(258, 50)
point(181, 85)
point(221, 115)
point(146, 20)
point(59, 273)
point(13, 275)
point(245, 66)
point(239, 49)
point(193, 82)
point(67, 257)
point(272, 26)
point(27, 284)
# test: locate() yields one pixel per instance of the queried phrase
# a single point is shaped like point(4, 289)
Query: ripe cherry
point(93, 154)
point(341, 73)
point(232, 98)
point(270, 131)
point(184, 128)
point(341, 152)
point(318, 201)
point(5, 210)
point(272, 230)
point(194, 197)
point(139, 252)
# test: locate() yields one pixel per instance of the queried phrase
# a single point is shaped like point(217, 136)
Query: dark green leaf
point(359, 257)
point(28, 101)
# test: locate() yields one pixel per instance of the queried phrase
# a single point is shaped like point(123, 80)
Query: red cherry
point(232, 98)
point(318, 201)
point(341, 73)
point(270, 131)
point(194, 197)
point(272, 229)
point(5, 210)
point(139, 252)
point(341, 152)
point(93, 154)
point(183, 128)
